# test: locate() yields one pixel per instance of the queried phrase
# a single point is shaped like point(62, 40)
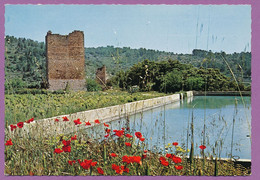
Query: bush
point(92, 85)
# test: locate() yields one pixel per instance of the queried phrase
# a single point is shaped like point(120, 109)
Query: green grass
point(20, 107)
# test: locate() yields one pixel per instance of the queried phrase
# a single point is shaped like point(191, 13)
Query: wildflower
point(100, 171)
point(126, 159)
point(176, 159)
point(127, 144)
point(202, 147)
point(165, 163)
point(119, 133)
point(178, 167)
point(138, 134)
point(56, 120)
point(13, 127)
point(66, 143)
point(123, 129)
point(9, 142)
point(30, 120)
point(113, 154)
point(88, 123)
point(93, 163)
point(144, 156)
point(175, 143)
point(20, 124)
point(106, 125)
point(119, 171)
point(74, 137)
point(115, 167)
point(141, 139)
point(162, 159)
point(128, 136)
point(108, 130)
point(169, 155)
point(106, 135)
point(145, 151)
point(71, 162)
point(97, 121)
point(65, 118)
point(66, 148)
point(77, 122)
point(136, 159)
point(125, 169)
point(58, 151)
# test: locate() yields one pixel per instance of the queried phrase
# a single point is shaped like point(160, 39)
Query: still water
point(172, 123)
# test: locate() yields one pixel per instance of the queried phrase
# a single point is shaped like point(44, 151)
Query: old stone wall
point(101, 75)
point(65, 61)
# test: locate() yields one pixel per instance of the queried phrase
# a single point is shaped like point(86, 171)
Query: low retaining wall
point(221, 93)
point(48, 126)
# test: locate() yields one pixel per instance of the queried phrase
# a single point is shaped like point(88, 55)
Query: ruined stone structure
point(101, 75)
point(65, 61)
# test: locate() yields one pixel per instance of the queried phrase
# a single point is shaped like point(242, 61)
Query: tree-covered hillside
point(25, 61)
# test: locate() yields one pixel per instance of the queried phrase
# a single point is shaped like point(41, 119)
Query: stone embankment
point(48, 126)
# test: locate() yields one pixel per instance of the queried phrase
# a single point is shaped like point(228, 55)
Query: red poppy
point(127, 144)
point(113, 154)
point(58, 151)
point(20, 124)
point(126, 159)
point(56, 120)
point(65, 118)
point(108, 130)
point(86, 164)
point(162, 159)
point(66, 148)
point(145, 151)
point(115, 167)
point(100, 171)
point(202, 147)
point(128, 135)
point(9, 142)
point(123, 129)
point(144, 156)
point(136, 159)
point(165, 163)
point(88, 123)
point(125, 169)
point(127, 128)
point(178, 167)
point(175, 143)
point(106, 135)
point(169, 155)
point(142, 139)
point(119, 171)
point(74, 137)
point(13, 127)
point(119, 133)
point(176, 159)
point(77, 122)
point(106, 125)
point(71, 162)
point(97, 121)
point(93, 163)
point(66, 143)
point(30, 120)
point(138, 134)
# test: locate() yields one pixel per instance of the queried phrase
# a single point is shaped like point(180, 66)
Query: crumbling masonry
point(65, 61)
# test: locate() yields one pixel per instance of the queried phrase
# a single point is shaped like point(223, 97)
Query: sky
point(171, 28)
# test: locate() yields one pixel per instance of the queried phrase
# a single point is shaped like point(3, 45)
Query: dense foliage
point(26, 62)
point(172, 76)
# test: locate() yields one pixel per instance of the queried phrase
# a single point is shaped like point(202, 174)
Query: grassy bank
point(20, 107)
point(119, 152)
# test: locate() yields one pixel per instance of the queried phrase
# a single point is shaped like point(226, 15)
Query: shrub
point(92, 85)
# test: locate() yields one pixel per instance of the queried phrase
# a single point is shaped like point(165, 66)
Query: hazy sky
point(174, 28)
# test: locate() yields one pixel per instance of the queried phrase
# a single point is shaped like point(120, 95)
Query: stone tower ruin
point(65, 61)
